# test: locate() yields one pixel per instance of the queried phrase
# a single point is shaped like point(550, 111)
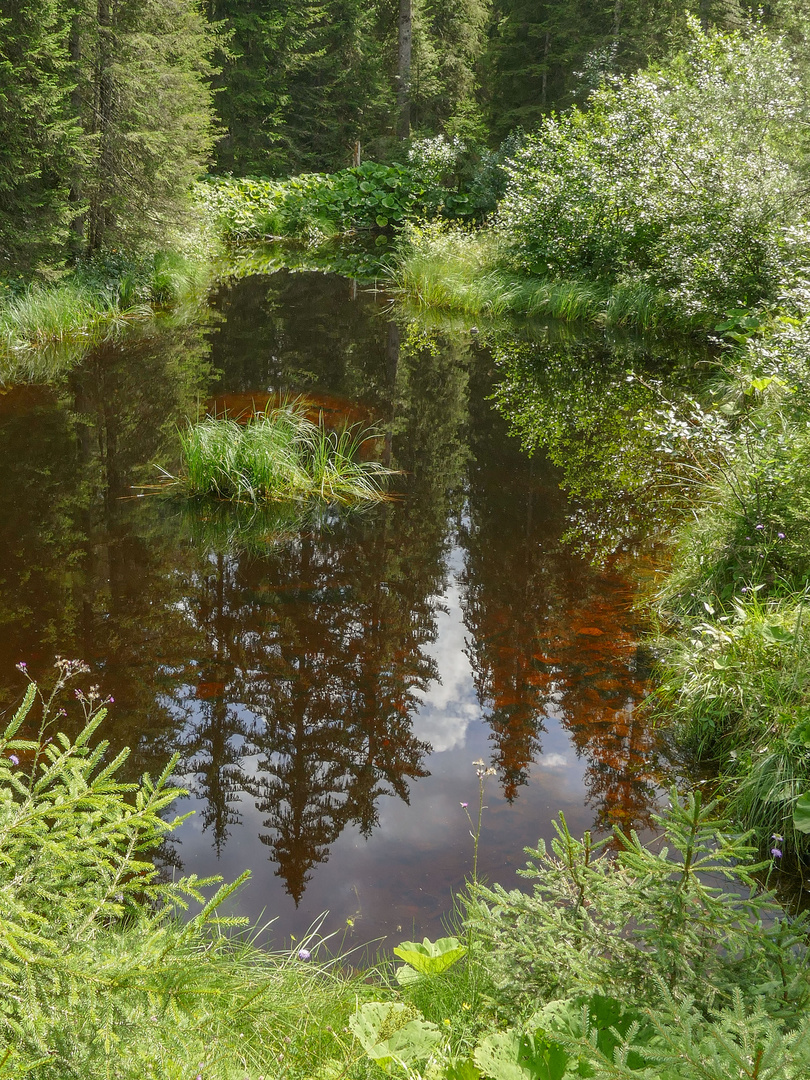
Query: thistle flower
point(304, 954)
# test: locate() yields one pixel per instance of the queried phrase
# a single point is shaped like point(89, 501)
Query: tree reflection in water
point(287, 656)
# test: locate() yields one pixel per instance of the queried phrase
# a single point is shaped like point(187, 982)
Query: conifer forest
point(404, 539)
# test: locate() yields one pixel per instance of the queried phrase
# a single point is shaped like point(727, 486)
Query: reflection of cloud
point(553, 761)
point(449, 702)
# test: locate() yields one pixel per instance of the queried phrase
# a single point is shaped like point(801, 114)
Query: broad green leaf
point(381, 220)
point(389, 1031)
point(777, 634)
point(407, 976)
point(801, 814)
point(607, 1020)
point(512, 1056)
point(431, 957)
point(461, 1070)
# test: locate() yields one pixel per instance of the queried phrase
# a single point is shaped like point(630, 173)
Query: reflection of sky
point(405, 873)
point(450, 703)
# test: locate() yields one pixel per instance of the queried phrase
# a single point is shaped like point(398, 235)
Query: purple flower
point(777, 854)
point(759, 526)
point(781, 536)
point(465, 805)
point(22, 665)
point(776, 836)
point(304, 954)
point(13, 759)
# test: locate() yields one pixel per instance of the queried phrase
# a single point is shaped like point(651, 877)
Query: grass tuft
point(278, 455)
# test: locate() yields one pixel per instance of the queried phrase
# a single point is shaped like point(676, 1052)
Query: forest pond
point(329, 681)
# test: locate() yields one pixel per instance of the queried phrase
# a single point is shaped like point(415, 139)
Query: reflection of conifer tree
point(548, 631)
point(334, 727)
point(83, 570)
point(600, 691)
point(216, 735)
point(506, 592)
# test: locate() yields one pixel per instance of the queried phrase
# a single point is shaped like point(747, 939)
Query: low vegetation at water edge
point(618, 966)
point(278, 454)
point(98, 297)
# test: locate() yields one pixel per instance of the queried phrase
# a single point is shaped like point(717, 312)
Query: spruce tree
point(38, 135)
point(143, 74)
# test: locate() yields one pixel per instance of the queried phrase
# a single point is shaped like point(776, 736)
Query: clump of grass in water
point(279, 454)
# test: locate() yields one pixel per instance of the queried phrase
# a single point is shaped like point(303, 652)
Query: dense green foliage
point(626, 967)
point(105, 110)
point(675, 193)
point(303, 83)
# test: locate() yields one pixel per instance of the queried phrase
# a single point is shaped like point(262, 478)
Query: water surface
point(329, 680)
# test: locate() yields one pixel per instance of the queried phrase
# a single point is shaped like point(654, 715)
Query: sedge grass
point(278, 455)
point(465, 272)
point(44, 329)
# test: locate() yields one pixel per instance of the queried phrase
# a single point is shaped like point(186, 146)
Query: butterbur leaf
point(431, 957)
point(382, 221)
point(509, 1055)
point(389, 1031)
point(801, 814)
point(607, 1024)
point(406, 975)
point(461, 1070)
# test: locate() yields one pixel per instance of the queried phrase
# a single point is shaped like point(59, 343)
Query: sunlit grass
point(464, 272)
point(278, 455)
point(45, 329)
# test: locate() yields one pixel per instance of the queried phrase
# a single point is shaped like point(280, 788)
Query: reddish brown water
point(327, 684)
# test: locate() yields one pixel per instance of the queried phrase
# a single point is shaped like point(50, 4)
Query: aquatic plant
point(278, 454)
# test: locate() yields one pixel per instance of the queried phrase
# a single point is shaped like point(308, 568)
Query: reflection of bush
point(235, 527)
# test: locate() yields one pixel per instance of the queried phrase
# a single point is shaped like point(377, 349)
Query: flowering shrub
point(683, 177)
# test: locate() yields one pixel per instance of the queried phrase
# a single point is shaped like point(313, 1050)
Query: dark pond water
point(328, 683)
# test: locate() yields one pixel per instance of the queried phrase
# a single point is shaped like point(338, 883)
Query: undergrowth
point(99, 975)
point(46, 326)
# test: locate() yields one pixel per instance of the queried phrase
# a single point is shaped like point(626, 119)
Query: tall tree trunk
point(544, 82)
point(405, 42)
point(99, 213)
point(75, 196)
point(617, 22)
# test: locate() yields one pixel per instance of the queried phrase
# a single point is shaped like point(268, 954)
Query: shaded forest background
point(110, 108)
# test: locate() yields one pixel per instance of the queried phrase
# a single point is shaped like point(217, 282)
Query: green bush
point(685, 178)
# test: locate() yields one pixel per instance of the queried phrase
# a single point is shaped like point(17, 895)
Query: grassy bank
point(467, 272)
point(46, 325)
point(622, 965)
point(733, 604)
